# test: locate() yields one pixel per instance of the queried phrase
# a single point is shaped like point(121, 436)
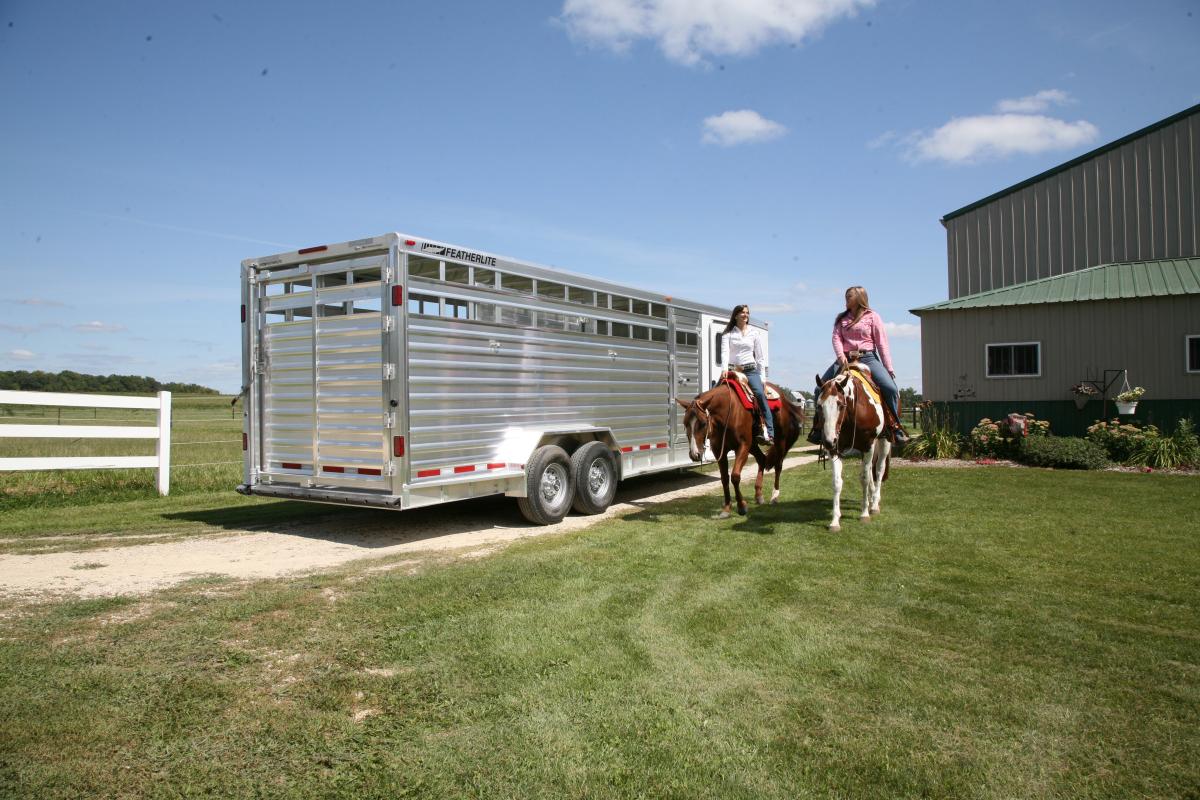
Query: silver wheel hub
point(553, 486)
point(597, 478)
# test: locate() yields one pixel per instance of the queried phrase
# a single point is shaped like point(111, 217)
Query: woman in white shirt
point(746, 356)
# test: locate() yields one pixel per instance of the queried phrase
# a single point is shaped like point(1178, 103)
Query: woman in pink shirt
point(860, 330)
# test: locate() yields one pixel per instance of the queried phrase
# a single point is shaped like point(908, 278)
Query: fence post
point(164, 443)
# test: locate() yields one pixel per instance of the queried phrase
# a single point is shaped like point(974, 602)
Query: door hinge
point(389, 420)
point(388, 324)
point(389, 371)
point(391, 468)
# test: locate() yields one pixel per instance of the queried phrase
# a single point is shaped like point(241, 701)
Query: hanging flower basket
point(1084, 392)
point(1128, 399)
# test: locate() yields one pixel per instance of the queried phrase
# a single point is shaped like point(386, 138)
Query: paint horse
point(851, 412)
point(720, 417)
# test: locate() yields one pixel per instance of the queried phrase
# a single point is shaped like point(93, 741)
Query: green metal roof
point(1130, 279)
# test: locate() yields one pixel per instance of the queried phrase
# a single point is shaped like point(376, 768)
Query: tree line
point(68, 381)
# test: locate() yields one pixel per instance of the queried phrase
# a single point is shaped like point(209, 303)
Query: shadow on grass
point(372, 528)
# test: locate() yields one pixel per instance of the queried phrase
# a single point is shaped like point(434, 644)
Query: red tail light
point(312, 250)
point(333, 469)
point(397, 295)
point(243, 312)
point(398, 446)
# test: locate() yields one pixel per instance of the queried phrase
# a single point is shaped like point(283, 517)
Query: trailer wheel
point(595, 474)
point(548, 485)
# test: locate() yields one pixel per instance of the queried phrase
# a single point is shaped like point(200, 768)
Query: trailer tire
point(594, 472)
point(548, 485)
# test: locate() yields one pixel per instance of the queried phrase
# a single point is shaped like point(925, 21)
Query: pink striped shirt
point(866, 334)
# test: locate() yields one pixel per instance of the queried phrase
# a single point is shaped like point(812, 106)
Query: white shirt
point(744, 348)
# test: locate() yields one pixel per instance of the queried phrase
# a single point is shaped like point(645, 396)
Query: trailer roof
point(502, 262)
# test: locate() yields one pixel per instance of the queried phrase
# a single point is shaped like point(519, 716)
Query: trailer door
point(322, 376)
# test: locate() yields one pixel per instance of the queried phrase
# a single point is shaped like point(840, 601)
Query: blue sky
point(757, 151)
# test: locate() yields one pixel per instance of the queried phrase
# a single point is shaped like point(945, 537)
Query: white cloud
point(38, 301)
point(4, 326)
point(1034, 102)
point(687, 31)
point(882, 139)
point(98, 327)
point(21, 355)
point(740, 127)
point(965, 140)
point(902, 330)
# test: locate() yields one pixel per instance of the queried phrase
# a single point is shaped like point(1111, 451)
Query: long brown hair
point(859, 294)
point(733, 317)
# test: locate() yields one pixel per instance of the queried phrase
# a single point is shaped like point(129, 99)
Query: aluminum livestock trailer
point(400, 372)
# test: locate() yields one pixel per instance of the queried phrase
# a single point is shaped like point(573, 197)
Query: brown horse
point(852, 418)
point(719, 417)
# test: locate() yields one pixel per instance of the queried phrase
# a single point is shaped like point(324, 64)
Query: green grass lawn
point(996, 633)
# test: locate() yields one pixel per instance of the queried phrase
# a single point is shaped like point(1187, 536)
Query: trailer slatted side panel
point(503, 379)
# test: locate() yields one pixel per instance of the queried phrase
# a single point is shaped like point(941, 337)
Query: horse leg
point(761, 460)
point(836, 470)
point(868, 488)
point(883, 450)
point(739, 461)
point(775, 491)
point(723, 464)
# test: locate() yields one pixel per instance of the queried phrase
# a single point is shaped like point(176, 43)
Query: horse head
point(697, 422)
point(833, 400)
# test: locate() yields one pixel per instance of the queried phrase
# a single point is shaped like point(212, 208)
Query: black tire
point(594, 472)
point(548, 485)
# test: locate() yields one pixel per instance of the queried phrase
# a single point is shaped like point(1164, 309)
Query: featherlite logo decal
point(462, 255)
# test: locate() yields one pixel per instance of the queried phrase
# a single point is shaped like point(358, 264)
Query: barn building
point(1071, 276)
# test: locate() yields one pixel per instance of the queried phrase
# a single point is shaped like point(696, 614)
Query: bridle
point(847, 407)
point(708, 424)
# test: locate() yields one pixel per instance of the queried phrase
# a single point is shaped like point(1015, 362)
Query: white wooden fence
point(161, 432)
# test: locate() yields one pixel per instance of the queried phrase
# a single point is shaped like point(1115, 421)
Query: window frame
point(987, 361)
point(1188, 338)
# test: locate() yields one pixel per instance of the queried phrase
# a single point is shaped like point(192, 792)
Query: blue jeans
point(756, 383)
point(891, 393)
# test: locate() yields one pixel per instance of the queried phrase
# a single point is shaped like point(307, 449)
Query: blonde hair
point(859, 295)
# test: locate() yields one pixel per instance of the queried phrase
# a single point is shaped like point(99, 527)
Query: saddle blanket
point(746, 396)
point(864, 378)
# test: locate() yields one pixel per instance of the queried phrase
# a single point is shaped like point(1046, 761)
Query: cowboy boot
point(814, 431)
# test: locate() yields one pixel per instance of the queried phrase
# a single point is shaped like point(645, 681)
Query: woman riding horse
point(746, 356)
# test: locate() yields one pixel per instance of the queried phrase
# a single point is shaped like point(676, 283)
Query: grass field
point(996, 633)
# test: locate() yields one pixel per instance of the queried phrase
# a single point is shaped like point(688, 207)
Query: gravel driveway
point(324, 543)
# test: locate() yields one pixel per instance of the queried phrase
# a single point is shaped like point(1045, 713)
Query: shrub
point(1061, 452)
point(938, 438)
point(990, 438)
point(1123, 440)
point(1180, 449)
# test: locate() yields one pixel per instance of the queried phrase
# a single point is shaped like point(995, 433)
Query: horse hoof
point(741, 511)
point(758, 501)
point(874, 511)
point(721, 515)
point(774, 501)
point(865, 518)
point(834, 528)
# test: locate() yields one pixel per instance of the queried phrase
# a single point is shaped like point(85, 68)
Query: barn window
point(1014, 360)
point(1193, 353)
